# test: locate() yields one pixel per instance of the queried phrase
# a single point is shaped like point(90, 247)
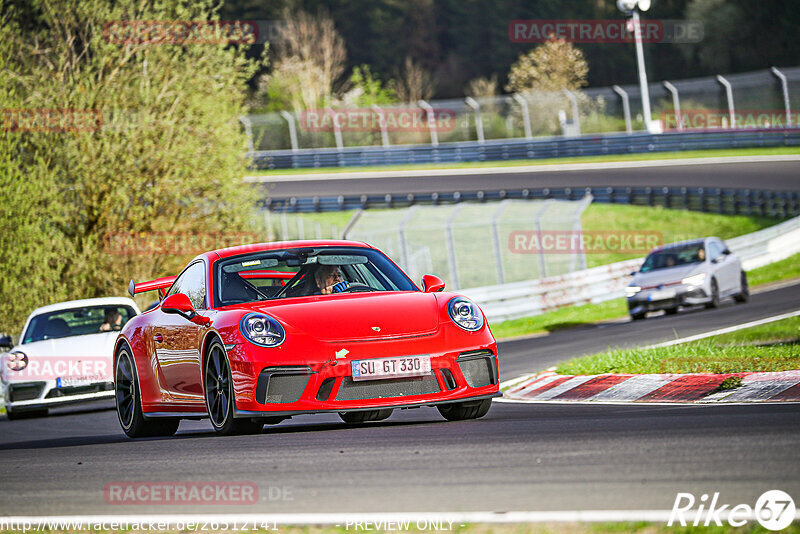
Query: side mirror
point(179, 304)
point(6, 342)
point(631, 273)
point(432, 283)
point(726, 252)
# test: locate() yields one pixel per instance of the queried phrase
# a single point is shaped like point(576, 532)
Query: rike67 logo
point(774, 510)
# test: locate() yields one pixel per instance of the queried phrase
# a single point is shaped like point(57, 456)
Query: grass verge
point(550, 161)
point(780, 270)
point(769, 347)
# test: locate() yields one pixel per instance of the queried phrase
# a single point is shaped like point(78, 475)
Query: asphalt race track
point(773, 175)
point(520, 457)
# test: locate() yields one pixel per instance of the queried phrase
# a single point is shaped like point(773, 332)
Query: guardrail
point(607, 282)
point(515, 149)
point(718, 200)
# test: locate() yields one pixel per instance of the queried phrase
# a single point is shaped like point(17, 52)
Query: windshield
point(673, 257)
point(298, 272)
point(77, 322)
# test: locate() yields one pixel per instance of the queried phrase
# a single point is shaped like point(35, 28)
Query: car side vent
point(449, 379)
point(478, 367)
point(282, 384)
point(325, 389)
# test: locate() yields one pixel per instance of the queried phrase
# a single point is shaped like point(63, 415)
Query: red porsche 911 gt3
point(255, 334)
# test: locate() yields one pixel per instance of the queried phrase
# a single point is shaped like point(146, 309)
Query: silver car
point(689, 273)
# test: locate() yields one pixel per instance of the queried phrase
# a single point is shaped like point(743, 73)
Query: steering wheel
point(356, 287)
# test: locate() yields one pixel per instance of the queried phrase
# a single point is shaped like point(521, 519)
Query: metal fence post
point(626, 107)
point(576, 120)
point(401, 230)
point(472, 103)
point(431, 121)
point(526, 116)
point(292, 129)
point(538, 224)
point(729, 92)
point(451, 245)
point(337, 128)
point(785, 91)
point(676, 104)
point(498, 255)
point(248, 130)
point(382, 121)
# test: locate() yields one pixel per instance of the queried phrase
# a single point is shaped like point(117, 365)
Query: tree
point(553, 66)
point(152, 146)
point(413, 82)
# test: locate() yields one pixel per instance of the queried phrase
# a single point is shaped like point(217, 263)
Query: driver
point(329, 279)
point(113, 320)
point(701, 254)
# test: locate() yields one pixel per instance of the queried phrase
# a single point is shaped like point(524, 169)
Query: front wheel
point(714, 295)
point(129, 402)
point(220, 401)
point(744, 292)
point(460, 411)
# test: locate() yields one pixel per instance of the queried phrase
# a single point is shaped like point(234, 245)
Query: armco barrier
point(514, 149)
point(607, 282)
point(717, 200)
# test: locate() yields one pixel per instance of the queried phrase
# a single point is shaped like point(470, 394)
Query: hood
point(359, 316)
point(666, 276)
point(93, 345)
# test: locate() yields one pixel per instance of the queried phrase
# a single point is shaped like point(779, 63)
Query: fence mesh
point(758, 99)
point(472, 244)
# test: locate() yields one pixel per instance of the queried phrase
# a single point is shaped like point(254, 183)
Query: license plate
point(400, 367)
point(662, 295)
point(70, 382)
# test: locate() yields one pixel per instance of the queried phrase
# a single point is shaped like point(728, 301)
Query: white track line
point(725, 330)
point(555, 167)
point(428, 519)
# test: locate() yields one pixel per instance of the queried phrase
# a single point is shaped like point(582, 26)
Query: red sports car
point(253, 335)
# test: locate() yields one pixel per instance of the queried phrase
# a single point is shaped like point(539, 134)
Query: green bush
point(164, 154)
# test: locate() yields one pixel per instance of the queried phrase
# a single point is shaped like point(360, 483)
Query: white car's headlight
point(261, 329)
point(632, 290)
point(465, 313)
point(694, 280)
point(16, 361)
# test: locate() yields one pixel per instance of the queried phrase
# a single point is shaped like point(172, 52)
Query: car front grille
point(24, 392)
point(380, 389)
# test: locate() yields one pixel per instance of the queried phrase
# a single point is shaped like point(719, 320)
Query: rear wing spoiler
point(161, 284)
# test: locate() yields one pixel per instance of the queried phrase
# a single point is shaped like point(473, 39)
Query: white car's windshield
point(673, 257)
point(77, 322)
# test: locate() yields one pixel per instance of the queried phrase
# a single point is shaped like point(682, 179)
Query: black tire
point(459, 411)
point(744, 294)
point(25, 414)
point(128, 400)
point(220, 400)
point(714, 295)
point(365, 416)
point(671, 311)
point(637, 316)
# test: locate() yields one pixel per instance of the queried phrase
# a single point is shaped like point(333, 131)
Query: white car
point(64, 355)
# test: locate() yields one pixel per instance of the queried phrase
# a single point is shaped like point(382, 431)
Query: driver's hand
point(338, 288)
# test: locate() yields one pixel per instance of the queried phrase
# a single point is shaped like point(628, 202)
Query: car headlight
point(465, 313)
point(262, 330)
point(16, 361)
point(632, 290)
point(694, 280)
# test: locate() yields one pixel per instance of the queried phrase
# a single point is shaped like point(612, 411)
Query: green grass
point(568, 317)
point(550, 161)
point(780, 270)
point(771, 347)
